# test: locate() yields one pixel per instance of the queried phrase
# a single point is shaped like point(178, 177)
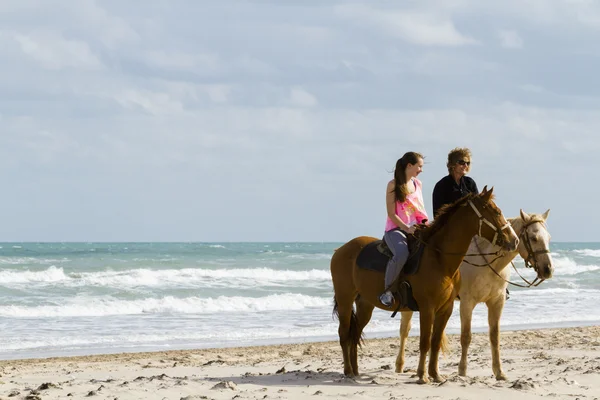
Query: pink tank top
point(411, 211)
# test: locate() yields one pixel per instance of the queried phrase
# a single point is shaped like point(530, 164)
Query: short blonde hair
point(456, 154)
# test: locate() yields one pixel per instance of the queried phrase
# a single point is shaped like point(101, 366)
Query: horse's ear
point(524, 215)
point(486, 195)
point(545, 215)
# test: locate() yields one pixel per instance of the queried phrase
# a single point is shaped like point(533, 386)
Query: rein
point(530, 256)
point(482, 220)
point(530, 253)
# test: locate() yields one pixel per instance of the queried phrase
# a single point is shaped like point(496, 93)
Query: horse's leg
point(364, 310)
point(426, 323)
point(404, 330)
point(439, 326)
point(495, 308)
point(345, 311)
point(466, 315)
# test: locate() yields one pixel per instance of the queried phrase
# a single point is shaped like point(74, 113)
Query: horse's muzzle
point(545, 271)
point(512, 245)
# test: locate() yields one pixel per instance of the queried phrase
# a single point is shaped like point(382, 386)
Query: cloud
point(53, 51)
point(510, 39)
point(155, 123)
point(218, 93)
point(419, 28)
point(183, 61)
point(302, 98)
point(151, 102)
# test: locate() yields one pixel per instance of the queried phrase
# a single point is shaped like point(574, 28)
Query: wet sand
point(545, 363)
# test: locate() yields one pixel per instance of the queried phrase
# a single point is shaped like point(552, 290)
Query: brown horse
point(484, 280)
point(435, 285)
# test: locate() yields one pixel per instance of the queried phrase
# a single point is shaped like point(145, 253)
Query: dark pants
point(396, 241)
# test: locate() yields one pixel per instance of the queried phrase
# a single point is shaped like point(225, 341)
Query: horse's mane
point(522, 222)
point(425, 232)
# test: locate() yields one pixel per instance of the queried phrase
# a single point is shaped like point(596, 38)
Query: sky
point(210, 121)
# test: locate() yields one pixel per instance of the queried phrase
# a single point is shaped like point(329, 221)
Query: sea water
point(87, 298)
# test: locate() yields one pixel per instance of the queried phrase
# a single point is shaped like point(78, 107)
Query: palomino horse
point(484, 280)
point(434, 286)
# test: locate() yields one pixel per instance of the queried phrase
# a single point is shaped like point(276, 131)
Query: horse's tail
point(355, 337)
point(335, 309)
point(445, 344)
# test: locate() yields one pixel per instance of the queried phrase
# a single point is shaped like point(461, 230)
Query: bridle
point(530, 261)
point(483, 220)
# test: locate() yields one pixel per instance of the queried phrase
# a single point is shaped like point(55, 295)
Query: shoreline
point(99, 351)
point(553, 362)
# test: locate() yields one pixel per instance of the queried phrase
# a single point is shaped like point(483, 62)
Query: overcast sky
point(282, 120)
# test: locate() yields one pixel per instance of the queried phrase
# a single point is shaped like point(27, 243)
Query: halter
point(483, 220)
point(531, 260)
point(531, 255)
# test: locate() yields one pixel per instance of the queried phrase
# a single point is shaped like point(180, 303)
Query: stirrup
point(403, 294)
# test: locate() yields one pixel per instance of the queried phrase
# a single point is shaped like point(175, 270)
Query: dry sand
point(549, 363)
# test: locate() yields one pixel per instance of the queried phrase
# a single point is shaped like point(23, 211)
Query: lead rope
point(535, 282)
point(482, 220)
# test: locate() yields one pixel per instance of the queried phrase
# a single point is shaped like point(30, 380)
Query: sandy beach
point(553, 363)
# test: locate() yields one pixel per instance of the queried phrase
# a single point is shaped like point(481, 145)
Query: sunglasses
point(463, 162)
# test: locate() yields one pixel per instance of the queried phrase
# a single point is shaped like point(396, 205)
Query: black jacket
point(447, 191)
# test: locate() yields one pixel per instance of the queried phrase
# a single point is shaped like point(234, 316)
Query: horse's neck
point(482, 252)
point(453, 242)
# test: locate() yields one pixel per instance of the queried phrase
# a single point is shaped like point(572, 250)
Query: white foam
point(50, 275)
point(97, 307)
point(30, 260)
point(187, 277)
point(566, 266)
point(166, 338)
point(315, 256)
point(201, 277)
point(588, 252)
point(542, 292)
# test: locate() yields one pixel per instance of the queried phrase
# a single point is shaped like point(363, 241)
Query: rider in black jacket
point(456, 184)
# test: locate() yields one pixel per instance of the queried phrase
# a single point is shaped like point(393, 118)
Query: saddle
point(375, 257)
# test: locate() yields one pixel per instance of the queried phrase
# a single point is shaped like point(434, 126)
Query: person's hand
point(411, 229)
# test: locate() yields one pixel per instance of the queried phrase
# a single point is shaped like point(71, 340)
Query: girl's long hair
point(400, 188)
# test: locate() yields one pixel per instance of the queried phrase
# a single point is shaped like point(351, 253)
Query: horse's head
point(534, 246)
point(492, 224)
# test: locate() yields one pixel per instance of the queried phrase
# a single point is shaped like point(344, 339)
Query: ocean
point(60, 299)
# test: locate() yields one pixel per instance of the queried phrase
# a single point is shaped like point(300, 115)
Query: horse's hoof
point(501, 377)
point(399, 370)
point(439, 379)
point(422, 381)
point(462, 372)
